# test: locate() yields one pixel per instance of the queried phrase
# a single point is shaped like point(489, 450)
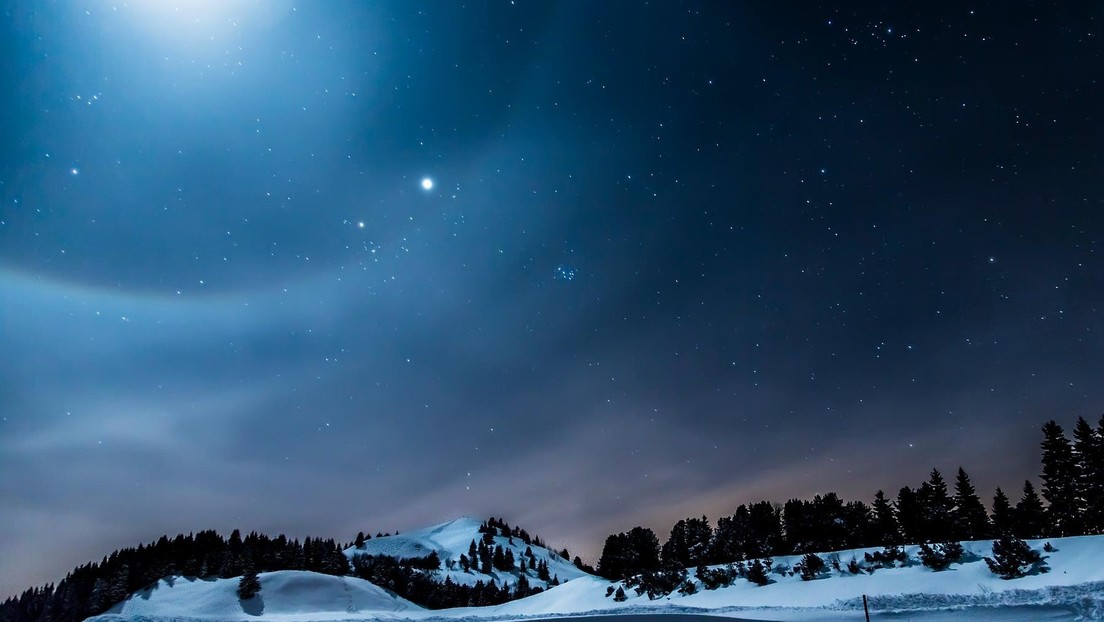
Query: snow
point(287, 594)
point(1073, 589)
point(452, 539)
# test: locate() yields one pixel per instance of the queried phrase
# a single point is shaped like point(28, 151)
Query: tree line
point(93, 588)
point(1072, 486)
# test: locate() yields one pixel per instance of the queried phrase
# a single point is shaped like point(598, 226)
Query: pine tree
point(885, 527)
point(249, 585)
point(1030, 515)
point(1059, 482)
point(689, 543)
point(1004, 518)
point(729, 539)
point(910, 514)
point(811, 566)
point(673, 554)
point(971, 520)
point(1088, 458)
point(1011, 557)
point(522, 589)
point(764, 530)
point(626, 554)
point(938, 504)
point(757, 573)
point(359, 543)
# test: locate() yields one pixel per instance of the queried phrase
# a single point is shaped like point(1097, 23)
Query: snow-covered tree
point(1011, 557)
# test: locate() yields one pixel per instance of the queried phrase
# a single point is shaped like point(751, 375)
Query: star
point(427, 183)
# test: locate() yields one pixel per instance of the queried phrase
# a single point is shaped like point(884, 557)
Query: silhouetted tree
point(688, 544)
point(1088, 462)
point(885, 528)
point(970, 517)
point(1004, 518)
point(628, 554)
point(1059, 482)
point(1029, 513)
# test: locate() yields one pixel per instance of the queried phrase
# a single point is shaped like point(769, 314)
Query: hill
point(1071, 588)
point(454, 539)
point(292, 594)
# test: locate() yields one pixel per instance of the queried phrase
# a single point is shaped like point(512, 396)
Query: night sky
point(315, 268)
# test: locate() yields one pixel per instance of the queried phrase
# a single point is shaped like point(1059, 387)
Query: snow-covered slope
point(288, 593)
point(1073, 589)
point(1076, 577)
point(452, 539)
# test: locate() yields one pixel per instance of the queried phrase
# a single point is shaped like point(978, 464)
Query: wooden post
point(866, 609)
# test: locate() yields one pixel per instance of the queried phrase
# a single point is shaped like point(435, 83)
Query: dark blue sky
point(676, 257)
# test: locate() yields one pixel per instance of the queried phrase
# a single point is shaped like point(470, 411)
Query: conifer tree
point(1088, 457)
point(757, 573)
point(971, 520)
point(1059, 482)
point(910, 514)
point(764, 532)
point(886, 530)
point(1030, 515)
point(249, 585)
point(729, 539)
point(1004, 518)
point(1011, 557)
point(938, 504)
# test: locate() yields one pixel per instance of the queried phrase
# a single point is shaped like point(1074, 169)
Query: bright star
point(427, 183)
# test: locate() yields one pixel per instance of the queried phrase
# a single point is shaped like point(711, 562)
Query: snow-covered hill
point(452, 539)
point(1072, 589)
point(290, 594)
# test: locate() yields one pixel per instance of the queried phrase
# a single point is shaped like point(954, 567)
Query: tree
point(1011, 557)
point(764, 532)
point(886, 529)
point(1030, 515)
point(757, 573)
point(811, 567)
point(249, 585)
point(523, 588)
point(359, 543)
point(729, 539)
point(1088, 462)
point(628, 554)
point(971, 520)
point(939, 525)
point(1059, 482)
point(1004, 518)
point(688, 544)
point(619, 595)
point(940, 556)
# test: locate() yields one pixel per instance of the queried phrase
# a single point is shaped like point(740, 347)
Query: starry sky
point(321, 267)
